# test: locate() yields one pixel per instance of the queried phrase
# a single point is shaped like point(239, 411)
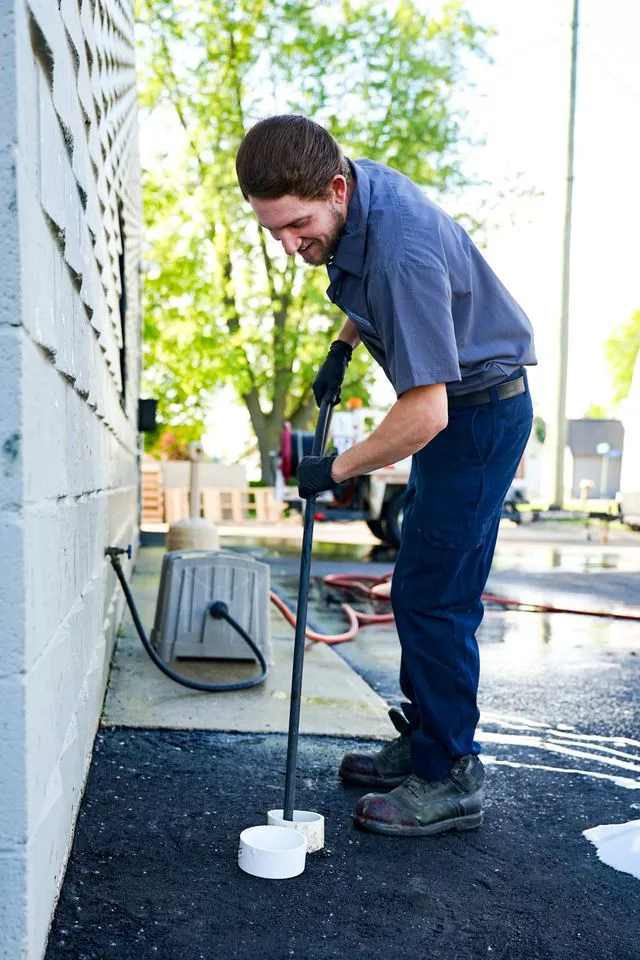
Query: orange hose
point(348, 580)
point(357, 619)
point(527, 607)
point(365, 618)
point(329, 638)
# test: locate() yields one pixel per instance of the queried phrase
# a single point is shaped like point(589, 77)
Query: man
point(454, 343)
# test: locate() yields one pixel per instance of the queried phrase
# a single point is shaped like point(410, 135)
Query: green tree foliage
point(621, 352)
point(539, 429)
point(222, 302)
point(596, 412)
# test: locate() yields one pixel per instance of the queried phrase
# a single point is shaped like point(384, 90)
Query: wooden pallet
point(252, 504)
point(218, 504)
point(152, 493)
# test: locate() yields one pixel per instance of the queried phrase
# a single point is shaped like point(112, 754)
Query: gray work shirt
point(426, 304)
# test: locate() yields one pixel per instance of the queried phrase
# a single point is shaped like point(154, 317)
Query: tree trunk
point(305, 416)
point(269, 443)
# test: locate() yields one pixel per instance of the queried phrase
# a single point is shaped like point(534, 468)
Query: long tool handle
point(319, 439)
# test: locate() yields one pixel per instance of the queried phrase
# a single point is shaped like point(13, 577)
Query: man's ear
point(339, 188)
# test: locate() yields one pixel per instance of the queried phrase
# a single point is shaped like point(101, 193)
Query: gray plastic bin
point(190, 581)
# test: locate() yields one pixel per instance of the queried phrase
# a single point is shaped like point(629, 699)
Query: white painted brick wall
point(68, 440)
point(13, 763)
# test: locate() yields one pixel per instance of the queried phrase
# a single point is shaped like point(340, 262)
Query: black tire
point(392, 518)
point(378, 529)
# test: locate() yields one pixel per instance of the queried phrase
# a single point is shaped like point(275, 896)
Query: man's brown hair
point(289, 154)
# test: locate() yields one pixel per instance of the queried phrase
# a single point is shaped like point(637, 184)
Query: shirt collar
point(350, 251)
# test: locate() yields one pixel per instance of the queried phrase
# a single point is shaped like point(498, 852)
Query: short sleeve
point(410, 303)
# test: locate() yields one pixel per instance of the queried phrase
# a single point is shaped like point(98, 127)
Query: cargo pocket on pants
point(455, 534)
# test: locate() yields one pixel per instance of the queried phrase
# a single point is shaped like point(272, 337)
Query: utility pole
point(560, 432)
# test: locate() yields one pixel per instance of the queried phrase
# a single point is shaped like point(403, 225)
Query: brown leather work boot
point(420, 808)
point(387, 767)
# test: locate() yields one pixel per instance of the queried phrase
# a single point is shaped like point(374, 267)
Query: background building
point(596, 448)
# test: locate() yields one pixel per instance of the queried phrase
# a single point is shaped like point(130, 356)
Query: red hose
point(527, 607)
point(358, 619)
point(352, 616)
point(355, 618)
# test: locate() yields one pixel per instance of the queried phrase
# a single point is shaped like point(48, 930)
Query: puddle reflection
point(524, 641)
point(573, 559)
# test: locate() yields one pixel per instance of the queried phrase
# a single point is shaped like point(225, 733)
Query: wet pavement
point(553, 684)
point(154, 866)
point(554, 669)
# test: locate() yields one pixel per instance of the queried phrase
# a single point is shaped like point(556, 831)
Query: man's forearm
point(349, 333)
point(413, 421)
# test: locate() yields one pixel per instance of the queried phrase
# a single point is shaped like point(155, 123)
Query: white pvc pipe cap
point(272, 852)
point(307, 823)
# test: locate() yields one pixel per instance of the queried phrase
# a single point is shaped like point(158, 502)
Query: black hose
point(218, 610)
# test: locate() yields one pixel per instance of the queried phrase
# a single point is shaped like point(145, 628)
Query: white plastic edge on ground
point(618, 845)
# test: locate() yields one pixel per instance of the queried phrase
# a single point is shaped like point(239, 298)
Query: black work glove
point(331, 374)
point(314, 475)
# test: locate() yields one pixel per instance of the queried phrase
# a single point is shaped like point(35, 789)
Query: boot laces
point(415, 786)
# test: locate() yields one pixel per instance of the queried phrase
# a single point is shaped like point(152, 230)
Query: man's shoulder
point(385, 182)
point(403, 224)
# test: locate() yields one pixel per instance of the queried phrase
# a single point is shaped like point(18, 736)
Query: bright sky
point(519, 106)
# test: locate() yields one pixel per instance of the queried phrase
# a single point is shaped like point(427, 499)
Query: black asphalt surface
point(154, 867)
point(153, 871)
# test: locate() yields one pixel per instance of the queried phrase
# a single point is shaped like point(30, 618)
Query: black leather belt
point(510, 388)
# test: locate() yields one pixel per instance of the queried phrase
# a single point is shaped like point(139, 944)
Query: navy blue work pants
point(452, 511)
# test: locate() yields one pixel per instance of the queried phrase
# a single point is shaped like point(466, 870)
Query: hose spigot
point(113, 552)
